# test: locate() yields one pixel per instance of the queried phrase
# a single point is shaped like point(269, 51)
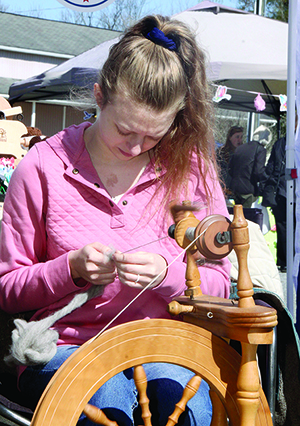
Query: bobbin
point(212, 235)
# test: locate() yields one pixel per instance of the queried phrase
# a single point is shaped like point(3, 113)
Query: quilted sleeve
point(28, 281)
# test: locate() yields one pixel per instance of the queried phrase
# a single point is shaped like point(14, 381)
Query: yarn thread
point(35, 342)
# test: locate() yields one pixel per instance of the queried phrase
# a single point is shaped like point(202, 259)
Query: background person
point(110, 183)
point(275, 175)
point(225, 152)
point(246, 168)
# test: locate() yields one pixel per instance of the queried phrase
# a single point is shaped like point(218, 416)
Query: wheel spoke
point(140, 380)
point(188, 393)
point(97, 416)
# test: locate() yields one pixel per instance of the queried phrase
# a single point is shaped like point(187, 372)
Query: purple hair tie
point(158, 37)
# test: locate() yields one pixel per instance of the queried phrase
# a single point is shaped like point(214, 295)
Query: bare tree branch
point(117, 16)
point(3, 8)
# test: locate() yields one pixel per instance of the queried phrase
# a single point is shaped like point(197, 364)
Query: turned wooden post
point(248, 379)
point(192, 277)
point(97, 416)
point(219, 415)
point(248, 385)
point(184, 219)
point(188, 393)
point(140, 380)
point(240, 240)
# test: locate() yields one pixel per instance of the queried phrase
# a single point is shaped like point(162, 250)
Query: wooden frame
point(136, 343)
point(197, 344)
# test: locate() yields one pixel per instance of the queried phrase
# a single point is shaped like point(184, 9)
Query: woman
point(91, 187)
point(246, 168)
point(225, 152)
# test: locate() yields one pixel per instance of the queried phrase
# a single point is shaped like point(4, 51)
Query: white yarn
point(34, 342)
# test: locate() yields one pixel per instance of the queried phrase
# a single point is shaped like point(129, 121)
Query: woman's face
point(127, 129)
point(236, 139)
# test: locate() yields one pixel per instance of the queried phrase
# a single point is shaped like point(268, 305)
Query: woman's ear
point(98, 95)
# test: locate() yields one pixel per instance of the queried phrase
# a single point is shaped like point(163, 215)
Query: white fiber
point(34, 342)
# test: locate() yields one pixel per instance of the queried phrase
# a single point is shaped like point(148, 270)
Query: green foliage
point(282, 123)
point(275, 9)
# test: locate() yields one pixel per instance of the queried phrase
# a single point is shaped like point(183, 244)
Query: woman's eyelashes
point(122, 133)
point(153, 139)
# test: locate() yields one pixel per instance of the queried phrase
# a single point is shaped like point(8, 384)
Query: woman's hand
point(139, 269)
point(93, 264)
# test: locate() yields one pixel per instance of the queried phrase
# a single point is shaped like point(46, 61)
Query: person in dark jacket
point(246, 168)
point(275, 174)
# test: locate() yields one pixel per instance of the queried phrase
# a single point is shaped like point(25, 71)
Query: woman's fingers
point(140, 269)
point(133, 280)
point(99, 264)
point(93, 263)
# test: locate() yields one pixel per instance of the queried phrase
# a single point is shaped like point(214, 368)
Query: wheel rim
point(137, 343)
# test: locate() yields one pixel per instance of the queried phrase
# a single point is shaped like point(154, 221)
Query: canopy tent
point(80, 71)
point(247, 53)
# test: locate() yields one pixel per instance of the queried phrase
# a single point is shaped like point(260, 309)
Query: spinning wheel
point(137, 343)
point(196, 344)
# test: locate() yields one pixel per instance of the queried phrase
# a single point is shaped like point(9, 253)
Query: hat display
point(10, 138)
point(11, 131)
point(263, 135)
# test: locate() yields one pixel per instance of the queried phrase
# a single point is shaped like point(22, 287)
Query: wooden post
point(184, 219)
point(240, 239)
point(248, 385)
point(140, 380)
point(219, 416)
point(188, 393)
point(192, 277)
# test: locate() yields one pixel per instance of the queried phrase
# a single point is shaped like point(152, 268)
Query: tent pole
point(250, 127)
point(260, 7)
point(64, 117)
point(290, 151)
point(33, 114)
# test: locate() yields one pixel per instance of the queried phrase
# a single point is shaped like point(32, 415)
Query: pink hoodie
point(56, 203)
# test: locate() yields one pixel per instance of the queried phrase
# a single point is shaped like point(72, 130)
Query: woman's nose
point(135, 145)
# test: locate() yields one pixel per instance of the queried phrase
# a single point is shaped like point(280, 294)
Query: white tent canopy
point(239, 45)
point(246, 52)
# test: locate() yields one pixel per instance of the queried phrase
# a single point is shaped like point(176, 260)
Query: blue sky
point(51, 9)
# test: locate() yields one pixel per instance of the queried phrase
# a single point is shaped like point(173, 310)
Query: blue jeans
point(118, 396)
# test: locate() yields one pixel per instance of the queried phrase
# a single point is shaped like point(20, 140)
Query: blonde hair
point(162, 79)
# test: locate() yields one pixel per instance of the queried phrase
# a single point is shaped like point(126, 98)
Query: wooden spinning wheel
point(197, 344)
